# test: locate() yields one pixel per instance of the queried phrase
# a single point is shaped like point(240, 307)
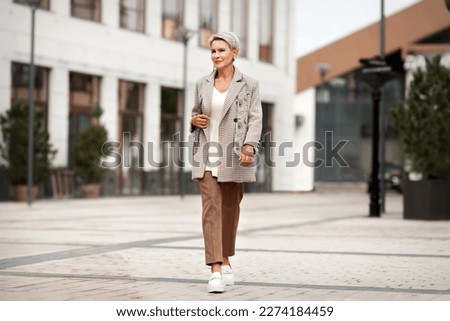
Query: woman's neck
point(226, 73)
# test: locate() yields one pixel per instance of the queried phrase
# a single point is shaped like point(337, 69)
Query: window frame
point(78, 109)
point(206, 31)
point(140, 16)
point(44, 4)
point(95, 7)
point(265, 52)
point(243, 51)
point(19, 87)
point(170, 24)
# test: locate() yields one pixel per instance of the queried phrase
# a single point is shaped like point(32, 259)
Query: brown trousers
point(220, 218)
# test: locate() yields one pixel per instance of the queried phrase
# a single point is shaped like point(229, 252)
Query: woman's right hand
point(200, 121)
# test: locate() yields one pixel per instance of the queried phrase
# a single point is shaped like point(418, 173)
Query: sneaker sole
point(216, 289)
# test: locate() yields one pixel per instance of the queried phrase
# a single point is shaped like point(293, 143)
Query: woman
point(226, 122)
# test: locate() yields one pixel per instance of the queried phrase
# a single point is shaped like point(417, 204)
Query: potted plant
point(422, 122)
point(88, 154)
point(14, 149)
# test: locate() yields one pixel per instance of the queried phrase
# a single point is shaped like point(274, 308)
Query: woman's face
point(221, 54)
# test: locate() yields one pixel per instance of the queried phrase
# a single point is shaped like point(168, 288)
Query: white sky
point(321, 22)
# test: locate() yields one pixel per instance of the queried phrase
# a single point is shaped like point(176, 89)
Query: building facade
point(126, 56)
point(335, 105)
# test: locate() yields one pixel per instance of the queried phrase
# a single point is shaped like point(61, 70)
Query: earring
point(234, 59)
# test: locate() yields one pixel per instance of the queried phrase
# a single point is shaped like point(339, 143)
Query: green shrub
point(88, 153)
point(14, 149)
point(422, 121)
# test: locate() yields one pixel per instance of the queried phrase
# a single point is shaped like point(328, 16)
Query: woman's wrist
point(248, 150)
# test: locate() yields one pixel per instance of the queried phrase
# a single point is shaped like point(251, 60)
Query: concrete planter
point(90, 190)
point(426, 200)
point(21, 193)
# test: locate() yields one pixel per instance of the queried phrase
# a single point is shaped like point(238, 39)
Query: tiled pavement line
point(428, 256)
point(39, 258)
point(61, 255)
point(303, 286)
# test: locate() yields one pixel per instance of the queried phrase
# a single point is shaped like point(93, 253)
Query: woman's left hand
point(246, 158)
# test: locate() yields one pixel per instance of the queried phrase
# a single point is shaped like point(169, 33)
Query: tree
point(422, 121)
point(14, 149)
point(88, 150)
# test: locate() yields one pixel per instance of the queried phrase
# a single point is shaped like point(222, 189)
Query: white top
point(218, 100)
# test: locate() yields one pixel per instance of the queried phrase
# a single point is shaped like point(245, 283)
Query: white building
point(124, 56)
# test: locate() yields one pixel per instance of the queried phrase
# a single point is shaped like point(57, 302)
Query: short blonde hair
point(229, 37)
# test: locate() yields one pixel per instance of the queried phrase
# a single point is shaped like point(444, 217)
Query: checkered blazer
point(241, 124)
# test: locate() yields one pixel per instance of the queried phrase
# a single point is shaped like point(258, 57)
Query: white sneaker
point(216, 283)
point(227, 275)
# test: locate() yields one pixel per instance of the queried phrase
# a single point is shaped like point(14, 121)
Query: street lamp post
point(184, 34)
point(375, 73)
point(382, 114)
point(34, 4)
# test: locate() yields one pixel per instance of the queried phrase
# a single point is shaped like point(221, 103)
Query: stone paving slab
point(291, 246)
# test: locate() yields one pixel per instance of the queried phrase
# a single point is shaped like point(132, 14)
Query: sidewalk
point(291, 246)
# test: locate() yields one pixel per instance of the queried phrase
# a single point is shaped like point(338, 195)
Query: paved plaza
point(291, 246)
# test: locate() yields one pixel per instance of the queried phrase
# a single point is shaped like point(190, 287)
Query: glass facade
point(344, 114)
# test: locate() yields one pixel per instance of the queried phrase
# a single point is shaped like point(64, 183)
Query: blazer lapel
point(207, 98)
point(235, 87)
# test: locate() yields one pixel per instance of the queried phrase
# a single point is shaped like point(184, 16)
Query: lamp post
point(382, 113)
point(375, 73)
point(184, 35)
point(34, 4)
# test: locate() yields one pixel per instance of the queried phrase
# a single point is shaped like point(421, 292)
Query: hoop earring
point(234, 59)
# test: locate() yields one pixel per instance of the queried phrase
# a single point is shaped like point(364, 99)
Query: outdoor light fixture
point(323, 69)
point(34, 4)
point(184, 34)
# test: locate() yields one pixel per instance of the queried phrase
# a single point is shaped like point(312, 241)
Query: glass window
point(131, 117)
point(86, 9)
point(131, 96)
point(172, 18)
point(170, 126)
point(239, 25)
point(170, 112)
point(208, 20)
point(83, 97)
point(20, 74)
point(132, 14)
point(44, 4)
point(266, 30)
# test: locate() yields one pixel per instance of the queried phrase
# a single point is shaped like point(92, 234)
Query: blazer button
point(235, 120)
